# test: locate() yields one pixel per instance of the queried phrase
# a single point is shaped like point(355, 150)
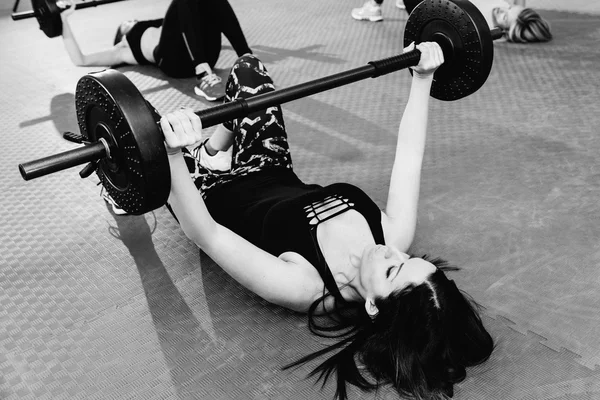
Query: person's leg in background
point(371, 10)
point(225, 21)
point(190, 42)
point(230, 26)
point(220, 19)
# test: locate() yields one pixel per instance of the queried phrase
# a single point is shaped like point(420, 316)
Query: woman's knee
point(248, 77)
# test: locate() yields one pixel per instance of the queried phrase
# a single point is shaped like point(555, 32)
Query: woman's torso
point(142, 40)
point(149, 41)
point(325, 225)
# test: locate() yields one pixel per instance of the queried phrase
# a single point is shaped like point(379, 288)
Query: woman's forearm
point(73, 49)
point(188, 205)
point(403, 195)
point(114, 55)
point(413, 126)
point(221, 139)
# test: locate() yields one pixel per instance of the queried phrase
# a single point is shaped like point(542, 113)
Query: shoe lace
point(211, 79)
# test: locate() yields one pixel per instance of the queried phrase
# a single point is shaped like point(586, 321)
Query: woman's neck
point(348, 280)
point(342, 240)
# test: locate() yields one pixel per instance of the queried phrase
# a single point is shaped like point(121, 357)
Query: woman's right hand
point(68, 7)
point(432, 57)
point(181, 128)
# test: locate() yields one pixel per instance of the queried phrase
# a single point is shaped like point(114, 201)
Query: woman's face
point(384, 270)
point(506, 16)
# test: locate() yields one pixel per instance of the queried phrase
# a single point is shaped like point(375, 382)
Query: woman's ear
point(371, 308)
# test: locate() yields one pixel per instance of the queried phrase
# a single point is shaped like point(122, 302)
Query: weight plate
point(47, 14)
point(136, 174)
point(463, 33)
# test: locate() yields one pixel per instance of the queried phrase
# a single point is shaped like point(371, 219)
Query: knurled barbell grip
point(58, 162)
point(411, 58)
point(387, 65)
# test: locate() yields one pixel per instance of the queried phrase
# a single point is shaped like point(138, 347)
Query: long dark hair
point(529, 27)
point(420, 343)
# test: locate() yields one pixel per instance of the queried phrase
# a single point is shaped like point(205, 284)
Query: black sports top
point(277, 212)
point(134, 38)
point(291, 224)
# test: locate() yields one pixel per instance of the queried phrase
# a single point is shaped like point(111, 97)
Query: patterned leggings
point(260, 139)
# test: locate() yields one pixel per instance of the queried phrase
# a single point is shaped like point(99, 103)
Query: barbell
point(47, 12)
point(125, 143)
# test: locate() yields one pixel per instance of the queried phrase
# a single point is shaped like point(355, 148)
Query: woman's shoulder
point(349, 190)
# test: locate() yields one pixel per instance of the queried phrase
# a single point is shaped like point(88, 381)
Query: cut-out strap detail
point(326, 209)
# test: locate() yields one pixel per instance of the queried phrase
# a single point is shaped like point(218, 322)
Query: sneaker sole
point(207, 97)
point(372, 19)
point(115, 207)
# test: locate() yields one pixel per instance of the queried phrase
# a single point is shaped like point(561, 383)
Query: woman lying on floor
point(185, 43)
point(329, 251)
point(519, 23)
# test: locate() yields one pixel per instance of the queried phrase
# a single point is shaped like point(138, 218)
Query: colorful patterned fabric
point(260, 138)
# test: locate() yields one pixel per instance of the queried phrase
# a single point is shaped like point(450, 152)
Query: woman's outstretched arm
point(403, 195)
point(118, 54)
point(288, 281)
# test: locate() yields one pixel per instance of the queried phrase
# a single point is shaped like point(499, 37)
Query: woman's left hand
point(67, 8)
point(181, 128)
point(432, 57)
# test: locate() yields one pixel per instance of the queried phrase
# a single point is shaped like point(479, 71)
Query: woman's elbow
point(202, 241)
point(205, 238)
point(80, 61)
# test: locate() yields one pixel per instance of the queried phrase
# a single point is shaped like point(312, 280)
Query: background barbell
point(47, 13)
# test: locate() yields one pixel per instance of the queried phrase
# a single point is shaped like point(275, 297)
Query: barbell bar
point(126, 144)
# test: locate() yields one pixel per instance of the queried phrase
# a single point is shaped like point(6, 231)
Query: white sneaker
point(210, 86)
point(115, 207)
point(370, 11)
point(219, 162)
